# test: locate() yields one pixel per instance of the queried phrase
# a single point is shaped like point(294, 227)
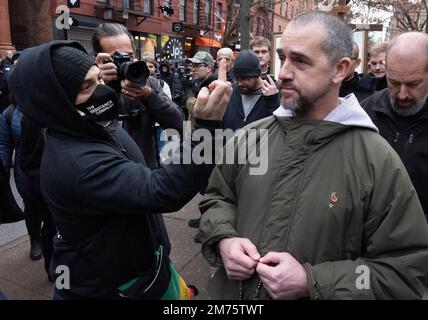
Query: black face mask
point(102, 105)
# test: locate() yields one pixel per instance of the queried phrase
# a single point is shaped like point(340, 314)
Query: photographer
point(144, 105)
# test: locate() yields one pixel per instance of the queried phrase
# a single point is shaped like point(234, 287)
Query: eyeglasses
point(198, 65)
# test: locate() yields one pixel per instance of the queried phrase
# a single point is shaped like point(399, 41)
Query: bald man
point(401, 112)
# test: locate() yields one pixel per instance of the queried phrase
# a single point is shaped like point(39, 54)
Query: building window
point(182, 11)
point(125, 4)
point(286, 10)
point(195, 11)
point(148, 7)
point(208, 11)
point(219, 17)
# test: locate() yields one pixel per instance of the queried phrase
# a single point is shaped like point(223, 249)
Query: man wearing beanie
point(102, 195)
point(70, 66)
point(252, 98)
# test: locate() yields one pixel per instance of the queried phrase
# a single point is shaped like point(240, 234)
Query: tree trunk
point(244, 24)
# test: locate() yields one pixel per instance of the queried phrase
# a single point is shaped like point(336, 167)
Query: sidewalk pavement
point(24, 279)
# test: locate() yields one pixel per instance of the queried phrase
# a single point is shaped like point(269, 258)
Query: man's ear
point(342, 70)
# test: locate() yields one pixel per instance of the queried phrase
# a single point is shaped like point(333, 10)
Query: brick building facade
point(5, 33)
point(286, 10)
point(200, 23)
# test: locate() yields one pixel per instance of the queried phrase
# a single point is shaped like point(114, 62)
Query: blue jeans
point(160, 144)
point(2, 296)
point(57, 295)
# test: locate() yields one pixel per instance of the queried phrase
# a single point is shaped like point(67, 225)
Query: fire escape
point(265, 10)
point(120, 10)
point(203, 17)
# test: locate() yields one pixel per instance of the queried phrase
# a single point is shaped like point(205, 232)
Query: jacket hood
point(348, 113)
point(41, 96)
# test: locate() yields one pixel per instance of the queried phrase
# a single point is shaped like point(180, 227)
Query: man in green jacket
point(335, 216)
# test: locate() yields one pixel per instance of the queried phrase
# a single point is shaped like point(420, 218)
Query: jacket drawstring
point(397, 136)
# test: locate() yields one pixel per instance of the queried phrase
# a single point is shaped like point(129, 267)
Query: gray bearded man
point(401, 112)
point(336, 216)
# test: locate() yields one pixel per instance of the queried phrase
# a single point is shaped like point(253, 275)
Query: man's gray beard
point(407, 112)
point(297, 106)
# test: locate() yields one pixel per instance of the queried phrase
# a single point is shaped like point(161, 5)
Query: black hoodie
point(100, 192)
point(362, 87)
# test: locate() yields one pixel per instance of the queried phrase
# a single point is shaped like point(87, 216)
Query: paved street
point(10, 232)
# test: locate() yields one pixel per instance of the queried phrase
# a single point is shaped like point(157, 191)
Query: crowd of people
point(346, 185)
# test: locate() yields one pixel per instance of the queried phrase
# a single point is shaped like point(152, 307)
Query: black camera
point(135, 72)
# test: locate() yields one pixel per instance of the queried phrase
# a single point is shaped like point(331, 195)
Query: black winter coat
point(103, 197)
point(411, 143)
point(362, 87)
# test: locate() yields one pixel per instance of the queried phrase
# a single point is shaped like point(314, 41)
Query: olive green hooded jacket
point(335, 195)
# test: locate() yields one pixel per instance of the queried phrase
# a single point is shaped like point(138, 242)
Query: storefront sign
point(172, 48)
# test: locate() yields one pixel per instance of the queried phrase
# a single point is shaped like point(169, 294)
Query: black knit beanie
point(247, 64)
point(71, 66)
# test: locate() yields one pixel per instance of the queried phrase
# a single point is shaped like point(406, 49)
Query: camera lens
point(135, 72)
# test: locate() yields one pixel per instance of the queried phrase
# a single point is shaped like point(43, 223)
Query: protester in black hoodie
point(93, 176)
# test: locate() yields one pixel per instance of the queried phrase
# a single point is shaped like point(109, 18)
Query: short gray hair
point(227, 51)
point(338, 40)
